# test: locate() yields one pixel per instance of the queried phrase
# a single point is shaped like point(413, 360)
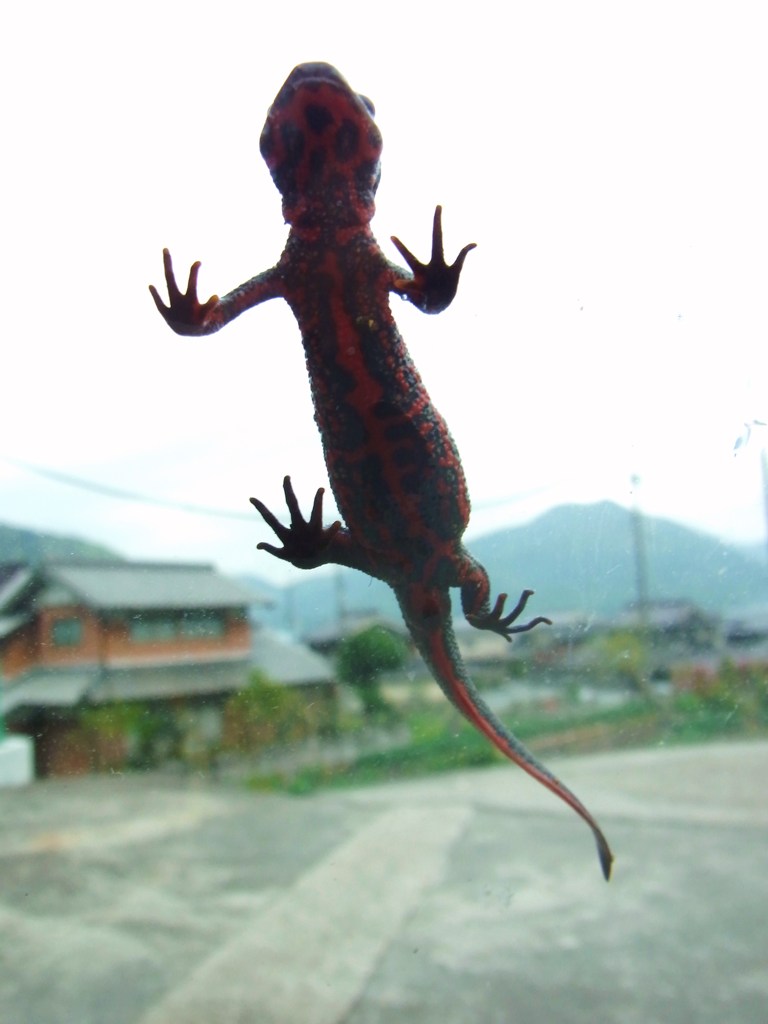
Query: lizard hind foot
point(497, 622)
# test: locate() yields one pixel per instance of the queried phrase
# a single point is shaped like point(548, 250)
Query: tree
point(362, 659)
point(624, 653)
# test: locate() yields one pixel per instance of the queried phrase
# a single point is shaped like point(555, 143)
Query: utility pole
point(641, 558)
point(764, 468)
point(641, 592)
point(741, 442)
point(341, 598)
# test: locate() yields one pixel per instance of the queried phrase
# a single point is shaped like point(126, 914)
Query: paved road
point(473, 897)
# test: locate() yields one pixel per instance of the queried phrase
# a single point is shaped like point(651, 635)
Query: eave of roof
point(132, 585)
point(288, 662)
point(10, 623)
point(48, 688)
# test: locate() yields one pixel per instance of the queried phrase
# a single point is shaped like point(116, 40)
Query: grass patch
point(439, 742)
point(685, 724)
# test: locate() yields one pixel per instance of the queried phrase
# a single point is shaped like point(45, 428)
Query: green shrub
point(361, 661)
point(264, 714)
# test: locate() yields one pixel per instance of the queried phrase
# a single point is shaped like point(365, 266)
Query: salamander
point(392, 464)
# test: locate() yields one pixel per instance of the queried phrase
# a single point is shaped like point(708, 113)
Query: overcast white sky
point(609, 159)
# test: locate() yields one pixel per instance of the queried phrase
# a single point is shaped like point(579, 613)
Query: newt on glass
point(393, 466)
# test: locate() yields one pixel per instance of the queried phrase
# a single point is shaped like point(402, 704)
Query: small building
point(290, 663)
point(747, 629)
point(327, 639)
point(76, 635)
point(672, 622)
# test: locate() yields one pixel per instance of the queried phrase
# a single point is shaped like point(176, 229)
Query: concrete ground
point(473, 897)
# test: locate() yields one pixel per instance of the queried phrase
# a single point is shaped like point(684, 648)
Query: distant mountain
point(20, 545)
point(584, 557)
point(576, 557)
point(318, 599)
point(755, 552)
point(269, 602)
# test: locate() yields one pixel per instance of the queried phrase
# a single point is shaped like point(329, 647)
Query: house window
point(67, 632)
point(153, 628)
point(202, 624)
point(145, 629)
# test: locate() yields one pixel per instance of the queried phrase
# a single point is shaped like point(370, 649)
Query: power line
point(108, 491)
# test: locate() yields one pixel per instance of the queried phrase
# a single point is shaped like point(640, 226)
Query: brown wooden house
point(106, 634)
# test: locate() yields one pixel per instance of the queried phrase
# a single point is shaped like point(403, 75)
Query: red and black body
point(393, 466)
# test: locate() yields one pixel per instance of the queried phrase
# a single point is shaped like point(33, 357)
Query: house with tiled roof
point(97, 634)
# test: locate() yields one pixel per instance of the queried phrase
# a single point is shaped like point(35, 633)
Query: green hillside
point(576, 557)
point(583, 557)
point(20, 545)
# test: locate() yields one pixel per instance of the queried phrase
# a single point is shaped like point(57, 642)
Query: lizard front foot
point(184, 314)
point(434, 284)
point(305, 540)
point(494, 621)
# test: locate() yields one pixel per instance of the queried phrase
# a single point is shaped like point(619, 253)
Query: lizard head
point(322, 148)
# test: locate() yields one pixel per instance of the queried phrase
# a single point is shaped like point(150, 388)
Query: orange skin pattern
point(394, 469)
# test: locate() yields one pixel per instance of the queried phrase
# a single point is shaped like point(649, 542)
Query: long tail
point(427, 613)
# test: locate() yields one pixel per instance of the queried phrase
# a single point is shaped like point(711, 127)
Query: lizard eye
point(368, 105)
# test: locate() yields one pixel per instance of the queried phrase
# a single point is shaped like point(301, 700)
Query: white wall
point(16, 761)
